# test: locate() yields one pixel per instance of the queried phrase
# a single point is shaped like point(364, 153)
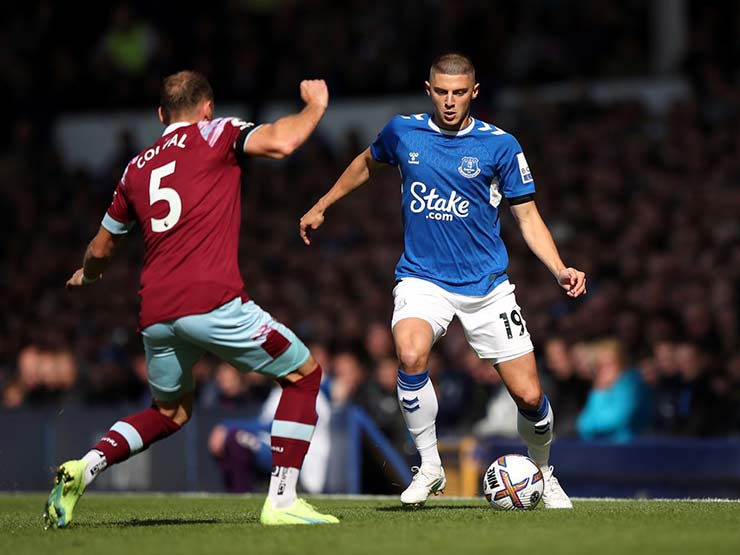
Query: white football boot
point(427, 480)
point(553, 496)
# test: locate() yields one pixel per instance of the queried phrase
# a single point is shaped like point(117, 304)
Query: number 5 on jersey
point(167, 194)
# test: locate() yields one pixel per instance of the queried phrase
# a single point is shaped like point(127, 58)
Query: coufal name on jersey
point(429, 199)
point(175, 140)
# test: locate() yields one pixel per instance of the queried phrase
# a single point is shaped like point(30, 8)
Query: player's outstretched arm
point(540, 242)
point(357, 174)
point(280, 139)
point(97, 256)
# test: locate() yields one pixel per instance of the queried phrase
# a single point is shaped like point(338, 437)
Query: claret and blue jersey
point(453, 183)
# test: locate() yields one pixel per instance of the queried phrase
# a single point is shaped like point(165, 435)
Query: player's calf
point(292, 430)
point(126, 438)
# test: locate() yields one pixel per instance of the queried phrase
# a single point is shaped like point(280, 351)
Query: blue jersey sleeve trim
point(116, 227)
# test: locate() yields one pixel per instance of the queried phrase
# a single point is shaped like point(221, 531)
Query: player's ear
point(208, 110)
point(428, 88)
point(476, 90)
point(160, 113)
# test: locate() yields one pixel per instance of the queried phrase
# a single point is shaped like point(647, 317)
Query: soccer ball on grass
point(513, 483)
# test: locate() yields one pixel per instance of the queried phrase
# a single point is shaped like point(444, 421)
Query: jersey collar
point(172, 126)
point(463, 131)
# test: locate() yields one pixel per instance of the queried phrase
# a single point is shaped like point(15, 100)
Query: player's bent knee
point(412, 361)
point(178, 415)
point(181, 418)
point(308, 367)
point(178, 411)
point(529, 398)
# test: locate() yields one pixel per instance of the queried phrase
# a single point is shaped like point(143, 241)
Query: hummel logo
point(413, 158)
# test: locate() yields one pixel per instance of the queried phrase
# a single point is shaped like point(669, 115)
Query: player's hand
point(573, 281)
point(217, 441)
point(315, 92)
point(311, 220)
point(77, 280)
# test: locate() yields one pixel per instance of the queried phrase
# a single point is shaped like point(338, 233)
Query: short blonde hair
point(452, 63)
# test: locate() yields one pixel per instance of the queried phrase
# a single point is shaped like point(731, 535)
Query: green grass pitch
point(164, 524)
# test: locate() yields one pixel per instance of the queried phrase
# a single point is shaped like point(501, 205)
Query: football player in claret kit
point(456, 170)
point(185, 193)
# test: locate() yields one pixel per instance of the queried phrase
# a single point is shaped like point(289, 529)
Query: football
point(513, 483)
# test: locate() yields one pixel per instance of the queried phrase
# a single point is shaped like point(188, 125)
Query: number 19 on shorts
point(514, 317)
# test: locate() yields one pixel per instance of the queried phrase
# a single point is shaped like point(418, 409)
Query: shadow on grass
point(136, 522)
point(401, 509)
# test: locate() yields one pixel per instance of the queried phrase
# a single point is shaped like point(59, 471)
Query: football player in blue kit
point(456, 170)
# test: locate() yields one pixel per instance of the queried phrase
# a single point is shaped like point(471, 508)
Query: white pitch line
point(354, 497)
point(368, 497)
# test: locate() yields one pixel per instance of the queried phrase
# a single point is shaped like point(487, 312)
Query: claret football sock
point(132, 435)
point(535, 428)
point(292, 429)
point(295, 419)
point(419, 407)
point(127, 437)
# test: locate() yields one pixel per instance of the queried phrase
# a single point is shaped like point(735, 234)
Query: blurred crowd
point(647, 204)
point(256, 50)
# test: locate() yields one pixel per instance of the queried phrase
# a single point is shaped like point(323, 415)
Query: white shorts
point(493, 324)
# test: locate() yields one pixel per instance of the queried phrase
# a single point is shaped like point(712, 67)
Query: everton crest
point(469, 167)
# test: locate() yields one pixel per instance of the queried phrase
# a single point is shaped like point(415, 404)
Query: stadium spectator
point(242, 449)
point(232, 389)
point(127, 44)
point(615, 407)
point(563, 385)
point(381, 404)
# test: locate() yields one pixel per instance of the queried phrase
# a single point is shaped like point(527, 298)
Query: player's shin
point(419, 407)
point(535, 427)
point(126, 438)
point(292, 429)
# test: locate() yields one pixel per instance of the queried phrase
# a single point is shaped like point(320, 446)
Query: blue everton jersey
point(453, 183)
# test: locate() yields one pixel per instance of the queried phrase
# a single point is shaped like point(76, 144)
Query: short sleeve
point(228, 135)
point(119, 219)
point(383, 148)
point(515, 178)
